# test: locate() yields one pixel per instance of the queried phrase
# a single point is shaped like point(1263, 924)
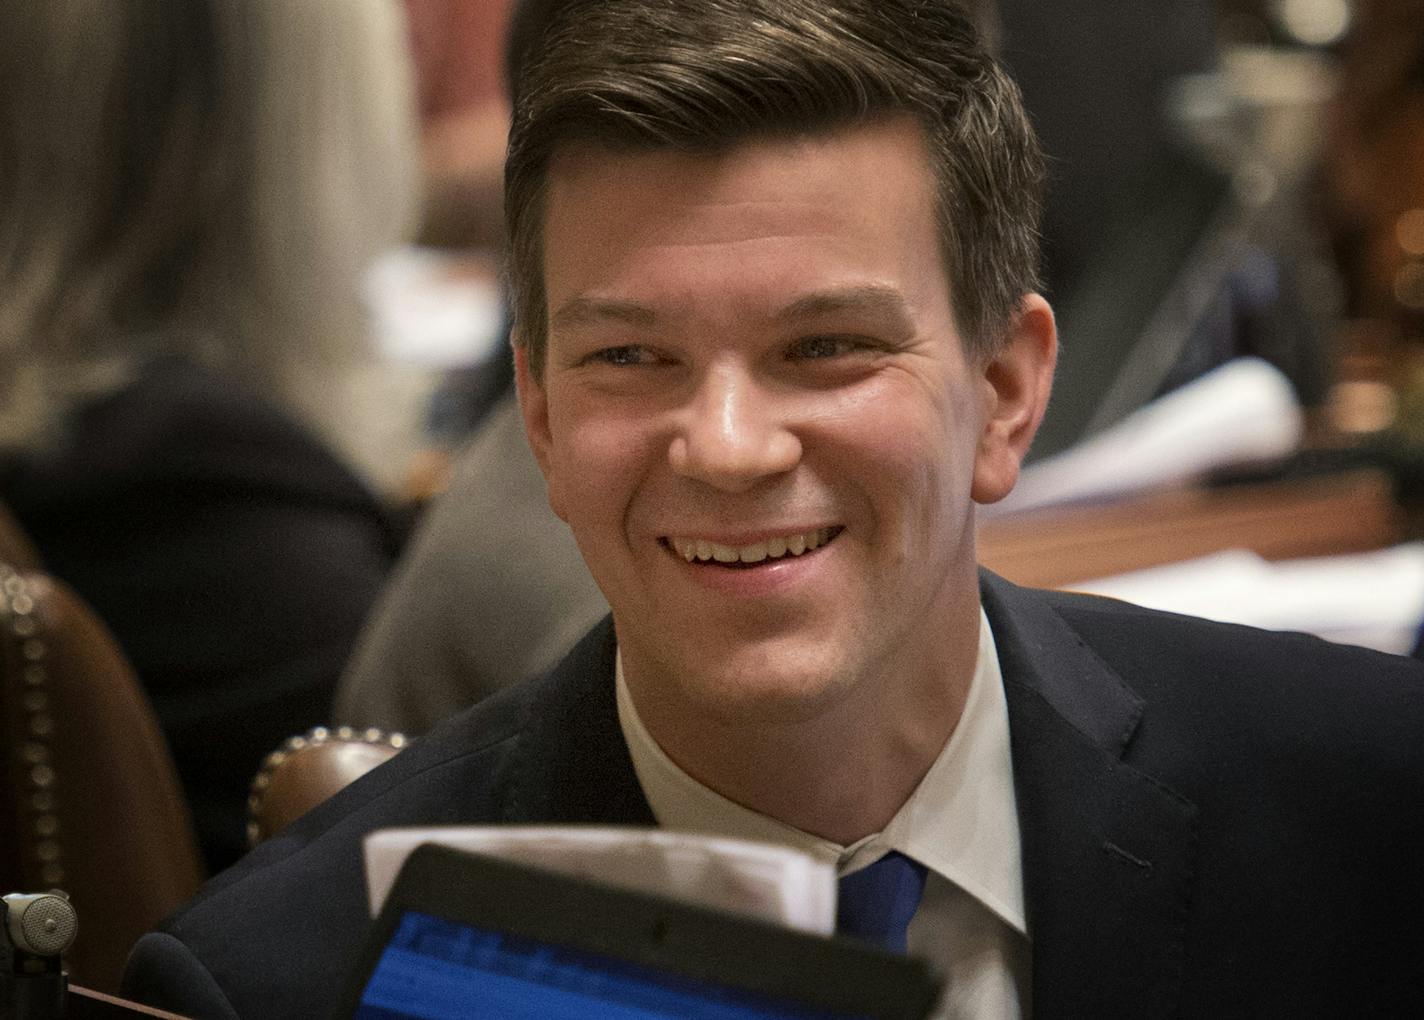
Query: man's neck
point(840, 773)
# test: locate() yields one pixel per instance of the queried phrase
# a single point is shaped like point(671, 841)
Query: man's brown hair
point(706, 75)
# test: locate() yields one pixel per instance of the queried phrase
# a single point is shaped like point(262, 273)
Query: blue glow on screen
point(434, 969)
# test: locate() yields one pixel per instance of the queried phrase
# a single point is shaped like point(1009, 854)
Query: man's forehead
point(579, 159)
point(867, 171)
point(791, 228)
point(764, 185)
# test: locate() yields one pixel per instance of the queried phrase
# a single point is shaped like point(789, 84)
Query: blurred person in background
point(491, 588)
point(190, 191)
point(464, 117)
point(457, 47)
point(1374, 170)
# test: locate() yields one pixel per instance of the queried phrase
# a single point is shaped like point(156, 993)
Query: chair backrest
point(16, 549)
point(308, 769)
point(89, 800)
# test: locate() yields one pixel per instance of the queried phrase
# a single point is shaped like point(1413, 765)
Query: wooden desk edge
point(85, 1003)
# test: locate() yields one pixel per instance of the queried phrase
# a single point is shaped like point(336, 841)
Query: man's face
point(758, 418)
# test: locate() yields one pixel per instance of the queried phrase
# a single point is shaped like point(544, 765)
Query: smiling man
point(757, 413)
point(773, 266)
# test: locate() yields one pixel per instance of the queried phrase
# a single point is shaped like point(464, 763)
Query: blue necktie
point(876, 903)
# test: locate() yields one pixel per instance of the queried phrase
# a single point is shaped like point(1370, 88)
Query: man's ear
point(534, 406)
point(1017, 380)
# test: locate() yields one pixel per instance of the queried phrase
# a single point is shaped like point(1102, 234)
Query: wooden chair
point(89, 800)
point(308, 769)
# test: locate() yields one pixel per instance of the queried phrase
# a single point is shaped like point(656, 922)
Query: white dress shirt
point(961, 823)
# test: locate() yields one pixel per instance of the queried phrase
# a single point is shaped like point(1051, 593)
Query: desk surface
point(1350, 512)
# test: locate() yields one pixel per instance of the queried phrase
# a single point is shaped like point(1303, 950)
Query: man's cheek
point(557, 480)
point(578, 482)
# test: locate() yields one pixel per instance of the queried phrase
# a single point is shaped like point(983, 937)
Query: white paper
point(1373, 599)
point(1242, 411)
point(773, 883)
point(428, 310)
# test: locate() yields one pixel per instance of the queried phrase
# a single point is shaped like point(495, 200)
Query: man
point(773, 267)
point(488, 544)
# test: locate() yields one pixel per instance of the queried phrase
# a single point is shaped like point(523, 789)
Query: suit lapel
point(572, 765)
point(1108, 853)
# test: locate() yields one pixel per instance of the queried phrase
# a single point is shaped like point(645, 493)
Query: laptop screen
point(466, 935)
point(435, 968)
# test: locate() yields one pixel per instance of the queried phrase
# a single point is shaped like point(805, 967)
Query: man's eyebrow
point(583, 311)
point(872, 298)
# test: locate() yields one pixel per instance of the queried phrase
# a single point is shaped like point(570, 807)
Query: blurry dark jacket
point(233, 556)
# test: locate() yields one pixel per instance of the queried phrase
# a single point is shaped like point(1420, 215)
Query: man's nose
point(733, 433)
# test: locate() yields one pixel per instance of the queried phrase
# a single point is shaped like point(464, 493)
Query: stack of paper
point(1244, 411)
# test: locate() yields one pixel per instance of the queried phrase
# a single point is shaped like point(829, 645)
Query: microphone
point(38, 927)
point(40, 924)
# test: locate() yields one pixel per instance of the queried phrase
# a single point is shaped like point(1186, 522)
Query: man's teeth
point(773, 548)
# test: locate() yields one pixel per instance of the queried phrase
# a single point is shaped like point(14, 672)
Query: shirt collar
point(961, 822)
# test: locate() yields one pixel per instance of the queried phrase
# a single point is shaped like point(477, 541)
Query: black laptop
point(467, 935)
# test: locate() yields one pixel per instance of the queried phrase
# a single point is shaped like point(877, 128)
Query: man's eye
point(627, 354)
point(816, 347)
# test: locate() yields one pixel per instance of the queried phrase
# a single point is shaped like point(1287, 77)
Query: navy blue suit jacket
point(1215, 820)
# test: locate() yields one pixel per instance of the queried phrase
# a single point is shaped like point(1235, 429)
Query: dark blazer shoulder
point(1210, 814)
point(1249, 694)
point(1156, 652)
point(276, 934)
point(1148, 647)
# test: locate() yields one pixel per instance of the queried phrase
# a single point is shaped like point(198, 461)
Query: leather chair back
point(89, 801)
point(308, 769)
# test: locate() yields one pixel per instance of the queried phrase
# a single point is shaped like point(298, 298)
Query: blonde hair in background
point(211, 177)
point(338, 184)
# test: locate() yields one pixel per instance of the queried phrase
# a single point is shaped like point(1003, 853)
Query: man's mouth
point(699, 550)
